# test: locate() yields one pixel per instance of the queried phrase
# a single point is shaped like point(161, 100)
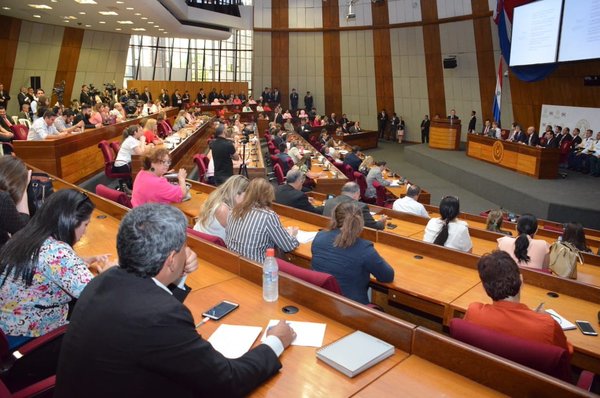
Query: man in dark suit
point(453, 116)
point(130, 335)
point(146, 96)
point(576, 138)
point(519, 135)
point(290, 193)
point(382, 119)
point(472, 123)
point(532, 137)
point(294, 99)
point(565, 135)
point(4, 96)
point(276, 96)
point(304, 129)
point(84, 96)
point(23, 98)
point(308, 101)
point(165, 100)
point(201, 97)
point(551, 141)
point(351, 193)
point(352, 158)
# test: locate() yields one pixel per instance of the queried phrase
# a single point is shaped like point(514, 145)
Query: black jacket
point(289, 196)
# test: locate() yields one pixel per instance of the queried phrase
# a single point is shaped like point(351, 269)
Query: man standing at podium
point(453, 116)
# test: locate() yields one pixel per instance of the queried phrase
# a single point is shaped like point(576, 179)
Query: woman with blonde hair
point(494, 222)
point(180, 121)
point(349, 258)
point(253, 227)
point(216, 209)
point(366, 164)
point(150, 131)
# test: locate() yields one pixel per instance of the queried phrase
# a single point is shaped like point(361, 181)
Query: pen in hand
point(539, 307)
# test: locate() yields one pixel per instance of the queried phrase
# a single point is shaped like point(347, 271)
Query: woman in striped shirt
point(253, 227)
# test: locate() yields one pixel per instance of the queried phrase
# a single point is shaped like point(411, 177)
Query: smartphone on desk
point(220, 310)
point(586, 328)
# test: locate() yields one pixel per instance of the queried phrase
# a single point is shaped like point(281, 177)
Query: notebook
point(563, 322)
point(355, 353)
point(233, 341)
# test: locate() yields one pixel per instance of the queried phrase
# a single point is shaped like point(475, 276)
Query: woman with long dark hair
point(351, 259)
point(575, 235)
point(447, 230)
point(526, 251)
point(39, 271)
point(14, 211)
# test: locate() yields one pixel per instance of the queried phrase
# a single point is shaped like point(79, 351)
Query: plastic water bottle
point(270, 277)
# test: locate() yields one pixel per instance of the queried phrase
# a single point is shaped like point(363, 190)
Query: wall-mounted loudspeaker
point(450, 62)
point(36, 82)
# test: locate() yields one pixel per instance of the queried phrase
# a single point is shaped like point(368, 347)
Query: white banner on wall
point(571, 117)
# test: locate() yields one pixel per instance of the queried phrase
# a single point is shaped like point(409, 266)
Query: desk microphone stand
point(243, 168)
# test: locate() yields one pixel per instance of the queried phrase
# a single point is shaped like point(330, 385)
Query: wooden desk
point(444, 135)
point(194, 140)
point(364, 139)
point(587, 348)
point(75, 157)
point(532, 161)
point(255, 164)
point(416, 377)
point(302, 373)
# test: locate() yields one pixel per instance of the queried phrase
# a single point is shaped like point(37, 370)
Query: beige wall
point(358, 77)
point(261, 63)
point(306, 67)
point(461, 84)
point(102, 60)
point(410, 79)
point(37, 55)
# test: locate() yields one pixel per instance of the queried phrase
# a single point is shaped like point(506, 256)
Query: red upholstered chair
point(205, 159)
point(109, 159)
point(272, 148)
point(166, 127)
point(321, 279)
point(210, 238)
point(279, 174)
point(360, 179)
point(20, 131)
point(20, 367)
point(290, 163)
point(114, 195)
point(348, 171)
point(553, 228)
point(160, 130)
point(546, 358)
point(565, 149)
point(116, 147)
point(202, 169)
point(381, 198)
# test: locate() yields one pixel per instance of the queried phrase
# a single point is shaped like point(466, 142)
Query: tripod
point(243, 168)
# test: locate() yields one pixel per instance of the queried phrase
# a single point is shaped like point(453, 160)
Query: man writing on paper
point(130, 336)
point(502, 281)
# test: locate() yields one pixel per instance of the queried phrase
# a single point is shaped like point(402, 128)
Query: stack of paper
point(395, 183)
point(563, 322)
point(355, 353)
point(233, 341)
point(308, 334)
point(305, 236)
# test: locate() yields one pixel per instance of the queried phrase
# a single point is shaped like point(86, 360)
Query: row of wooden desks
point(420, 366)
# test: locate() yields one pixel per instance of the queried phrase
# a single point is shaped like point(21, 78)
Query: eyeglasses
point(166, 162)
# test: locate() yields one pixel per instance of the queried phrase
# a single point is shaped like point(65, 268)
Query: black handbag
point(40, 187)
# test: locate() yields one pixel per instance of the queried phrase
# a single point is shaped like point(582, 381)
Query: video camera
point(59, 91)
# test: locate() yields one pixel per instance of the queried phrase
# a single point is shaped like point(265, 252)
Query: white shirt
point(458, 234)
point(40, 130)
point(127, 147)
point(409, 205)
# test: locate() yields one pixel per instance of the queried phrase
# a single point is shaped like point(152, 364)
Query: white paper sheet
point(564, 323)
point(305, 236)
point(233, 341)
point(395, 183)
point(308, 334)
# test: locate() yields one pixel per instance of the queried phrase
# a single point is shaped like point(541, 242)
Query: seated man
point(283, 156)
point(290, 193)
point(25, 113)
point(64, 123)
point(351, 193)
point(352, 158)
point(502, 282)
point(43, 128)
point(130, 336)
point(532, 137)
point(6, 134)
point(409, 203)
point(86, 113)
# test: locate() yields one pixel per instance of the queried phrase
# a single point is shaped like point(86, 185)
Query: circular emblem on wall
point(498, 151)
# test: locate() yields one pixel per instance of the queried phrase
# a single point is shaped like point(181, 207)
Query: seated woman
point(447, 230)
point(350, 259)
point(575, 235)
point(253, 227)
point(246, 107)
point(39, 271)
point(216, 209)
point(150, 132)
point(14, 211)
point(375, 174)
point(259, 107)
point(494, 222)
point(180, 121)
point(526, 251)
point(96, 116)
point(151, 187)
point(134, 143)
point(366, 164)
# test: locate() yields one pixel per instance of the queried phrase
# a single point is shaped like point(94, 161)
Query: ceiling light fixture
point(40, 6)
point(81, 12)
point(144, 18)
point(129, 8)
point(117, 28)
point(36, 16)
point(137, 14)
point(138, 29)
point(125, 22)
point(102, 22)
point(107, 13)
point(6, 8)
point(88, 26)
point(85, 2)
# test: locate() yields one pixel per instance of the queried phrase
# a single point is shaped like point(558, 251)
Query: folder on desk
point(355, 353)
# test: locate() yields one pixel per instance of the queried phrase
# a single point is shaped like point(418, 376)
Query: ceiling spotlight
point(36, 16)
